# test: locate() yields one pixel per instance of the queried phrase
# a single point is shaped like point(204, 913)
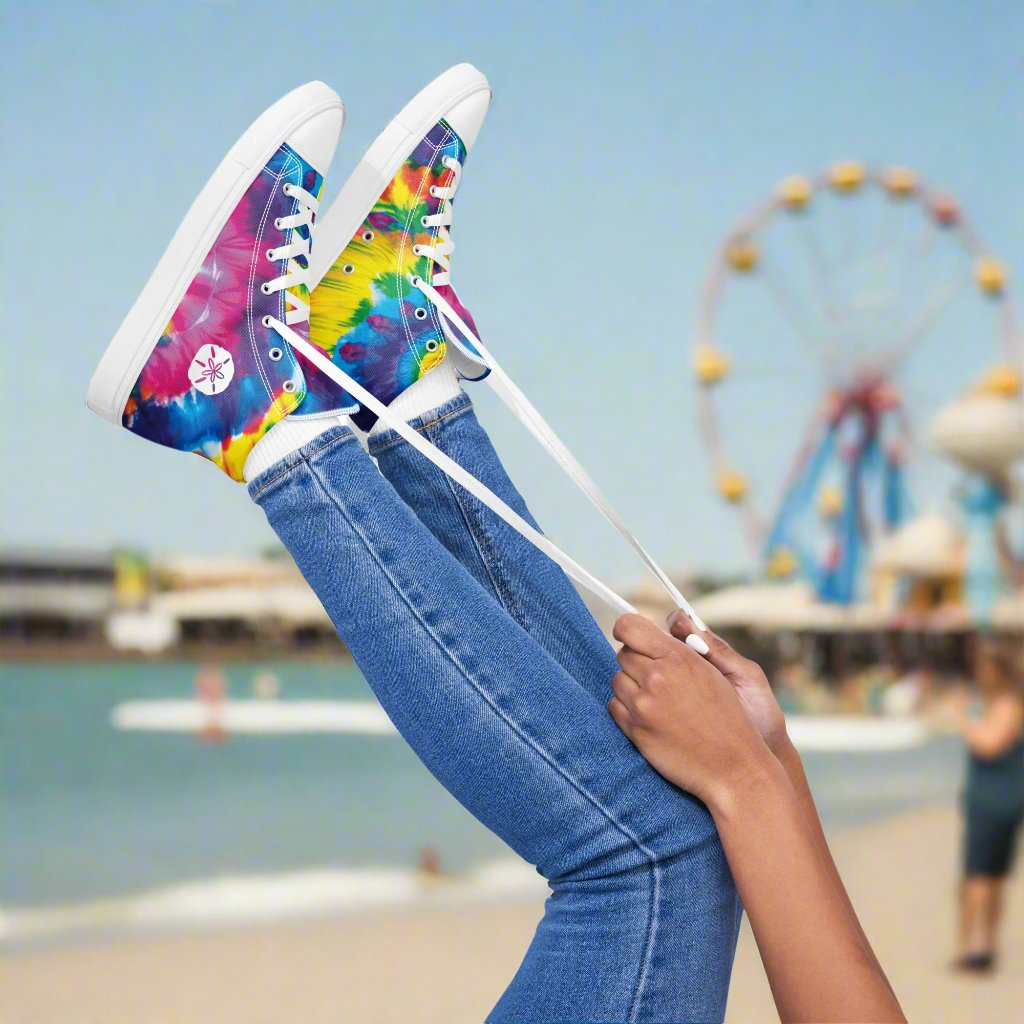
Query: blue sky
point(623, 141)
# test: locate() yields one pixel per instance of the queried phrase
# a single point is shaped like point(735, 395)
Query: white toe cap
point(467, 116)
point(317, 139)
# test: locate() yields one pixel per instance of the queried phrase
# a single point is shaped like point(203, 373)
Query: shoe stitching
point(435, 316)
point(250, 331)
point(401, 252)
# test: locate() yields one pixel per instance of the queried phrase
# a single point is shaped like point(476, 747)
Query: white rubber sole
point(389, 151)
point(126, 355)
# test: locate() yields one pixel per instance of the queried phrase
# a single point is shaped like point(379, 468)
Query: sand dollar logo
point(211, 370)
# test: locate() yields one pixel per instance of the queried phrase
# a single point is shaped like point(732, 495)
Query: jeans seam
point(305, 458)
point(533, 744)
point(483, 542)
point(461, 407)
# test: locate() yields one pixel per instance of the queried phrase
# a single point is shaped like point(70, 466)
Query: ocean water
point(104, 827)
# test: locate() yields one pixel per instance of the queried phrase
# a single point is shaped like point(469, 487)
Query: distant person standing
point(993, 802)
point(211, 691)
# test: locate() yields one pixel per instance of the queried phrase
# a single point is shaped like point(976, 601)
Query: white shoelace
point(443, 246)
point(453, 469)
point(296, 275)
point(510, 394)
point(440, 252)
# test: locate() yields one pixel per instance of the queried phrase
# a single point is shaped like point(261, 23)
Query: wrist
point(786, 753)
point(756, 779)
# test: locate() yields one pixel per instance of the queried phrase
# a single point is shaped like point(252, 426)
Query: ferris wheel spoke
point(890, 240)
point(814, 251)
point(890, 231)
point(916, 259)
point(852, 230)
point(820, 266)
point(905, 281)
point(935, 305)
point(778, 288)
point(926, 240)
point(868, 310)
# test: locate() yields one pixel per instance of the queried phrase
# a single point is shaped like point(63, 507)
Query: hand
point(747, 679)
point(682, 714)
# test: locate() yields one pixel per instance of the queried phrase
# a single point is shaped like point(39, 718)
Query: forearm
point(816, 959)
point(988, 739)
point(789, 758)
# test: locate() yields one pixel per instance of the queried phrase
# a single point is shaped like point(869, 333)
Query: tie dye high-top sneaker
point(385, 243)
point(198, 363)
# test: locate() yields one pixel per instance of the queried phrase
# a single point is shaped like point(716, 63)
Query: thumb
point(719, 653)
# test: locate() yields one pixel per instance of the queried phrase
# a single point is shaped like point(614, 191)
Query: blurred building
point(53, 598)
point(95, 604)
point(242, 605)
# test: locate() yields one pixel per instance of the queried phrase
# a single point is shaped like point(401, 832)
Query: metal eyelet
point(416, 282)
point(433, 345)
point(348, 268)
point(433, 191)
point(270, 256)
point(265, 288)
point(367, 236)
point(423, 221)
point(417, 250)
point(289, 386)
point(268, 321)
point(287, 188)
point(277, 223)
point(275, 354)
point(420, 313)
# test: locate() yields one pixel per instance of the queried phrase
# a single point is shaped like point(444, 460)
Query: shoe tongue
point(449, 294)
point(322, 394)
point(467, 360)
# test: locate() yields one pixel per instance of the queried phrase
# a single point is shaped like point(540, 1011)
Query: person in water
point(993, 803)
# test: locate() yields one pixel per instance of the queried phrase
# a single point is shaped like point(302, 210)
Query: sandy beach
point(447, 965)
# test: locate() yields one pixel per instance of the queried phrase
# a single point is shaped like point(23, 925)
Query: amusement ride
point(846, 275)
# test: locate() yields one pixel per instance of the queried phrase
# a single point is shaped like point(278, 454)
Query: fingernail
point(697, 644)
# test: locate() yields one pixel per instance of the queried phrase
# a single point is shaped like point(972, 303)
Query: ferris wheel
point(817, 316)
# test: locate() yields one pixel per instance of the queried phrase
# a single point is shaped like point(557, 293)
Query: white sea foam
point(254, 716)
point(844, 733)
point(243, 899)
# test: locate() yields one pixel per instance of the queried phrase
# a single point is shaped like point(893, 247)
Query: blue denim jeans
point(493, 671)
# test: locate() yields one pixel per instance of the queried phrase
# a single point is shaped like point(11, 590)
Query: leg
point(964, 920)
point(527, 584)
point(640, 925)
point(993, 913)
point(973, 902)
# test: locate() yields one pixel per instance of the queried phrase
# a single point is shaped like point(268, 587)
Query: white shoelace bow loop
point(296, 275)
